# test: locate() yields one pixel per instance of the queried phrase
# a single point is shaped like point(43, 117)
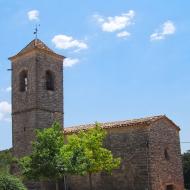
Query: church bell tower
point(37, 93)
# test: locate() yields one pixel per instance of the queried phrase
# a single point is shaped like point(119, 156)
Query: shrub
point(8, 182)
point(5, 161)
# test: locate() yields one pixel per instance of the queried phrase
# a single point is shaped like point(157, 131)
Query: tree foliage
point(43, 163)
point(97, 157)
point(86, 153)
point(186, 168)
point(8, 182)
point(5, 161)
point(72, 156)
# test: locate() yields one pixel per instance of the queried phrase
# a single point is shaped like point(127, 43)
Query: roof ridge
point(128, 120)
point(132, 122)
point(35, 44)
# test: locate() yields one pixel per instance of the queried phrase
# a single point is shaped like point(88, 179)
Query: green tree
point(85, 153)
point(5, 161)
point(186, 169)
point(72, 156)
point(43, 163)
point(8, 182)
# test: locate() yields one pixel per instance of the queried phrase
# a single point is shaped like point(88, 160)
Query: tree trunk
point(65, 183)
point(42, 185)
point(57, 185)
point(90, 180)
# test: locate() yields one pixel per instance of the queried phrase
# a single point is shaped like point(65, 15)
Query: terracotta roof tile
point(35, 44)
point(118, 124)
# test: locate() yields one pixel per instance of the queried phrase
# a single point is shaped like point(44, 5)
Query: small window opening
point(166, 154)
point(49, 81)
point(23, 81)
point(169, 187)
point(24, 128)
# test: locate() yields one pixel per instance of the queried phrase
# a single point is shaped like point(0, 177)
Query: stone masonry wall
point(130, 144)
point(49, 100)
point(36, 107)
point(23, 132)
point(144, 165)
point(165, 169)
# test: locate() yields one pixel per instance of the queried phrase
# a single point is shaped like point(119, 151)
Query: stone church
point(149, 147)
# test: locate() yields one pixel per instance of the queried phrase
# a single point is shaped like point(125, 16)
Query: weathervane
point(36, 31)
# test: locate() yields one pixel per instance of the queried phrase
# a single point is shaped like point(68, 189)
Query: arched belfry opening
point(23, 81)
point(50, 81)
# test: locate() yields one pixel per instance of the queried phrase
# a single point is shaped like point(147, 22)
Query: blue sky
point(125, 59)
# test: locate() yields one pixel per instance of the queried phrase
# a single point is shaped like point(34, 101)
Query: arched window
point(49, 81)
point(23, 81)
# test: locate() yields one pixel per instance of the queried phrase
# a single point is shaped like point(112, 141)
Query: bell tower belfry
point(37, 93)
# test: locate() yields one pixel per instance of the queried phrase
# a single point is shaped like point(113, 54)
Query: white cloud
point(98, 18)
point(167, 28)
point(5, 111)
point(69, 62)
point(33, 15)
point(8, 89)
point(116, 23)
point(66, 42)
point(123, 34)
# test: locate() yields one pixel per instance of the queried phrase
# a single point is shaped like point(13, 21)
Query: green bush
point(5, 161)
point(8, 182)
